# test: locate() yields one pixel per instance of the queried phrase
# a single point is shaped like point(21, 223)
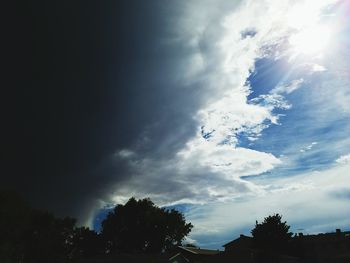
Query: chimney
point(338, 231)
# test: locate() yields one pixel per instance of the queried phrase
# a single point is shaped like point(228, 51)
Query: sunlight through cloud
point(312, 41)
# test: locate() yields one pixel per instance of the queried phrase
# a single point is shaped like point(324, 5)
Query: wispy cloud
point(308, 147)
point(287, 89)
point(344, 159)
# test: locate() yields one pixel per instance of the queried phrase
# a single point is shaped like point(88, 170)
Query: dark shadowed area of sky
point(80, 75)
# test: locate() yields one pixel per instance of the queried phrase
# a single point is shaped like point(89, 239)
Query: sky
point(227, 110)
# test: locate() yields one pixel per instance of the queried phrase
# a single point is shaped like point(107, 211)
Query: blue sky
point(258, 121)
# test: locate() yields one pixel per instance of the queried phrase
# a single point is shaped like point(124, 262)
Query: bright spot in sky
point(311, 41)
point(312, 34)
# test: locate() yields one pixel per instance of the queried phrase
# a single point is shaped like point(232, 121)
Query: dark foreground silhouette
point(271, 242)
point(139, 231)
point(136, 228)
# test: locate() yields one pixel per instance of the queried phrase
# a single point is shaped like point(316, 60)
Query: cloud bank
point(242, 147)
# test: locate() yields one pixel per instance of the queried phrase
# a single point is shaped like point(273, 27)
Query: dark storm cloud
point(94, 81)
point(88, 78)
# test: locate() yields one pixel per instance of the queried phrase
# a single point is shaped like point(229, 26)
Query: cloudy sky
point(228, 110)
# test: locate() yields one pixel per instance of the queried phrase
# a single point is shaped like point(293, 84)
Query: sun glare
point(311, 35)
point(311, 41)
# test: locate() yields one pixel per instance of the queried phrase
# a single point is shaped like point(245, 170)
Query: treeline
point(29, 235)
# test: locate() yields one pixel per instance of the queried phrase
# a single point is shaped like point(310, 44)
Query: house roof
point(241, 237)
point(200, 251)
point(325, 236)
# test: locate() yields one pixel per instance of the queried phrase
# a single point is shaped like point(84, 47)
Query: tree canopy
point(271, 234)
point(139, 226)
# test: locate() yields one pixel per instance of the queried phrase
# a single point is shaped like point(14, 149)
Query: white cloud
point(271, 102)
point(202, 172)
point(294, 85)
point(231, 162)
point(308, 147)
point(344, 159)
point(224, 119)
point(317, 68)
point(227, 113)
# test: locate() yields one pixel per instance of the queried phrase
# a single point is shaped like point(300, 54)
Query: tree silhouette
point(272, 234)
point(141, 227)
point(85, 243)
point(48, 239)
point(14, 217)
point(30, 235)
